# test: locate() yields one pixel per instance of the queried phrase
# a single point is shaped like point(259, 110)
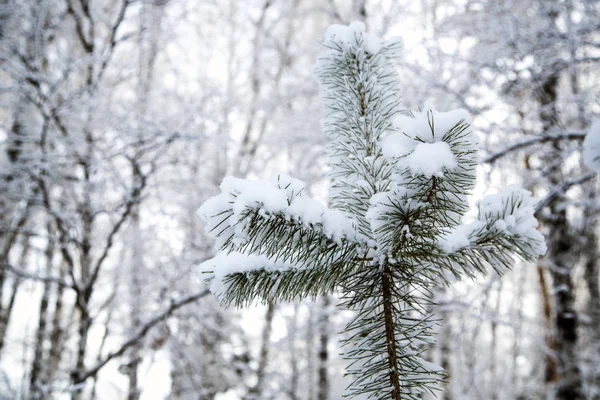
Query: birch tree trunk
point(41, 335)
point(256, 391)
point(323, 383)
point(562, 258)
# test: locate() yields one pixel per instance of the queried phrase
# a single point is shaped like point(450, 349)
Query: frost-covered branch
point(293, 240)
point(272, 218)
point(40, 278)
point(557, 192)
point(139, 335)
point(239, 280)
point(530, 142)
point(505, 225)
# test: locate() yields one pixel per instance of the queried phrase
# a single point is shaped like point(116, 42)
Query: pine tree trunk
point(390, 330)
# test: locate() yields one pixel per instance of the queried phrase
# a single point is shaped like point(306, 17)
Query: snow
point(591, 147)
point(225, 214)
point(509, 213)
point(352, 36)
point(431, 159)
point(430, 125)
point(419, 143)
point(459, 237)
point(224, 264)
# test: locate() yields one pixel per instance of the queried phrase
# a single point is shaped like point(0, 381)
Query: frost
point(372, 44)
point(591, 147)
point(431, 125)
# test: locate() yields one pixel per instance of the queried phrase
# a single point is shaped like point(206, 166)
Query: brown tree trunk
point(390, 333)
point(550, 370)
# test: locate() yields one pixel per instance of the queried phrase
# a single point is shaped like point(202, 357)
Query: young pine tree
point(399, 187)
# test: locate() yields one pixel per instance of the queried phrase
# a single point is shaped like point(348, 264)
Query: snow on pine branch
point(433, 155)
point(505, 219)
point(240, 279)
point(225, 264)
point(226, 215)
point(399, 187)
point(432, 144)
point(274, 221)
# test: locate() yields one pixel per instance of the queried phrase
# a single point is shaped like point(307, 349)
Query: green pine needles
point(399, 187)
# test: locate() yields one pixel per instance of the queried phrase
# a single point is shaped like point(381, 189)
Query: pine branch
point(244, 288)
point(287, 241)
point(399, 187)
point(505, 227)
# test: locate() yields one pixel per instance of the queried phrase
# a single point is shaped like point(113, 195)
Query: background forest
point(118, 118)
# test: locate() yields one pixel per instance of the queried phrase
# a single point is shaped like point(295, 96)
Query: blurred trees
point(118, 118)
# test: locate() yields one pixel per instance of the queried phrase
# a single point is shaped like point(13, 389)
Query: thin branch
point(529, 142)
point(134, 199)
point(561, 190)
point(26, 275)
point(87, 44)
point(111, 41)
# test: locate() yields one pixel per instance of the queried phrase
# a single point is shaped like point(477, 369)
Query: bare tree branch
point(140, 334)
point(529, 142)
point(561, 190)
point(27, 275)
point(133, 199)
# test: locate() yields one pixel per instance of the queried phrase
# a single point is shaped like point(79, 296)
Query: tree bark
point(592, 279)
point(56, 333)
point(562, 256)
point(38, 353)
point(323, 384)
point(390, 332)
point(256, 391)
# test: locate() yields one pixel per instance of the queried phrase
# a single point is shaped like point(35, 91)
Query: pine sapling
point(398, 194)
